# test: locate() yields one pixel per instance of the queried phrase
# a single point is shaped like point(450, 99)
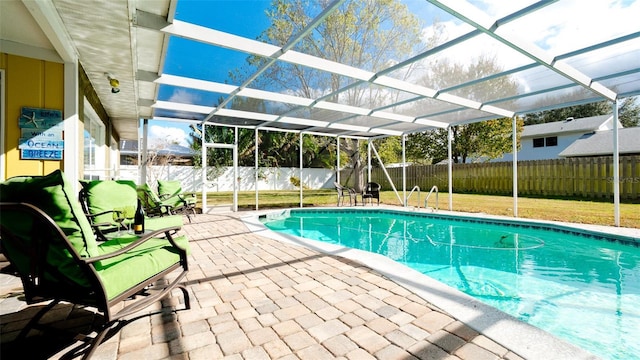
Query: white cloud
point(184, 96)
point(556, 29)
point(163, 135)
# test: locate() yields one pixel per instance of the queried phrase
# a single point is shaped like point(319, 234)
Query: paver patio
point(257, 298)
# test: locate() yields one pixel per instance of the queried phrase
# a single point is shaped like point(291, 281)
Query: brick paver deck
point(257, 298)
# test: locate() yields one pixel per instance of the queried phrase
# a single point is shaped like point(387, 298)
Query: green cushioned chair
point(49, 240)
point(99, 198)
point(170, 192)
point(152, 204)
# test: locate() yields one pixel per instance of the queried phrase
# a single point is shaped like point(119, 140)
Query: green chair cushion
point(123, 272)
point(151, 202)
point(170, 191)
point(169, 187)
point(157, 223)
point(106, 195)
point(54, 195)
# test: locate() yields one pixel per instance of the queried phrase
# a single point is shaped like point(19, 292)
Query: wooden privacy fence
point(590, 178)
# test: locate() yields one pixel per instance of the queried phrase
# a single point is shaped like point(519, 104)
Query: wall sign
point(41, 135)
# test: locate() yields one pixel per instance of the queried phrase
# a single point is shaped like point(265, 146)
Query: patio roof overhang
point(132, 39)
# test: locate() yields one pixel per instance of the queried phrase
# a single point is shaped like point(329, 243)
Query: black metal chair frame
point(372, 191)
point(38, 287)
point(344, 192)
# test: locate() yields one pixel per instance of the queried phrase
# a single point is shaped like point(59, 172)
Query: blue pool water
point(582, 287)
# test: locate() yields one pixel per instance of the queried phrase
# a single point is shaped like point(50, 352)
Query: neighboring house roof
point(601, 143)
point(593, 123)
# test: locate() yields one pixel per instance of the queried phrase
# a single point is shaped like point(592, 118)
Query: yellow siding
point(33, 83)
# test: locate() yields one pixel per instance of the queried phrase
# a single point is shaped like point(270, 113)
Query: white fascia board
point(166, 79)
point(272, 96)
point(47, 17)
point(305, 122)
point(327, 105)
point(172, 119)
point(433, 123)
point(219, 38)
point(318, 133)
point(515, 42)
point(405, 86)
point(167, 105)
point(572, 72)
point(269, 128)
point(603, 90)
point(246, 115)
point(348, 127)
point(392, 116)
point(384, 131)
point(453, 99)
point(325, 65)
point(497, 111)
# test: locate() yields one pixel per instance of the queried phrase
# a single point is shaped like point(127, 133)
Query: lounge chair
point(151, 202)
point(346, 192)
point(99, 199)
point(170, 192)
point(48, 239)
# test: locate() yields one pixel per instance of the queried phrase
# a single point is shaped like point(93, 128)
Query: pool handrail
point(426, 200)
point(406, 201)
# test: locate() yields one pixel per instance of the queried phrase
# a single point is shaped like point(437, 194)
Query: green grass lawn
point(575, 211)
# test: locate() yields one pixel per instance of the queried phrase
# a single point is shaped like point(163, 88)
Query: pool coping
point(531, 342)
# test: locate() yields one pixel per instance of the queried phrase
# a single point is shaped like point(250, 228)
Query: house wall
point(39, 83)
point(33, 83)
point(528, 152)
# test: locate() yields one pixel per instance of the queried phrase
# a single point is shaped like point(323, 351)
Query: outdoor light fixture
point(115, 84)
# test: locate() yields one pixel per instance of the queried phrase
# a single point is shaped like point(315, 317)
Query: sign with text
point(40, 134)
point(30, 154)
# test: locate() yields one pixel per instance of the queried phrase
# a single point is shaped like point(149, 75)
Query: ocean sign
point(35, 118)
point(32, 154)
point(39, 143)
point(48, 134)
point(40, 134)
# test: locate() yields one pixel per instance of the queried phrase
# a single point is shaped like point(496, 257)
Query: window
point(94, 144)
point(552, 141)
point(542, 142)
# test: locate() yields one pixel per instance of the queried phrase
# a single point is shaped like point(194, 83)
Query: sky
point(247, 18)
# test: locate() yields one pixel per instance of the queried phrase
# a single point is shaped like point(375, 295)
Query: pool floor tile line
point(258, 298)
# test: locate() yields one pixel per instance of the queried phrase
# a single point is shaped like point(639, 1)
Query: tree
point(363, 34)
point(482, 140)
point(577, 112)
point(628, 112)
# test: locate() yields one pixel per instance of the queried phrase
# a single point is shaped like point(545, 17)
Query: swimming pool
point(581, 286)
